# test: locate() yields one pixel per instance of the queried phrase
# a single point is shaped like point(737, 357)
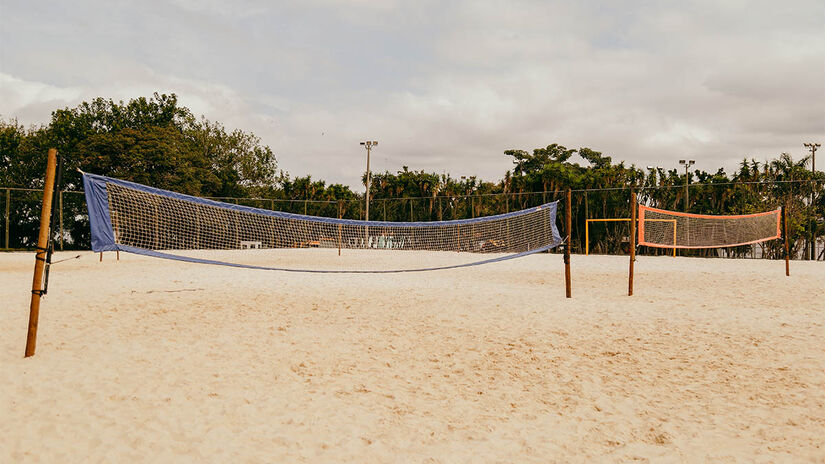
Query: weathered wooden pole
point(785, 237)
point(632, 241)
point(568, 285)
point(42, 250)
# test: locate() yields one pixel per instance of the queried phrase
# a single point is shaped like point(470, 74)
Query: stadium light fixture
point(813, 147)
point(688, 164)
point(369, 144)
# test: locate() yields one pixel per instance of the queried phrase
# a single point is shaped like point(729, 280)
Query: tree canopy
point(158, 142)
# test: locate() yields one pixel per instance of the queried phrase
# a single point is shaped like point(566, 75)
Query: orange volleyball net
point(671, 229)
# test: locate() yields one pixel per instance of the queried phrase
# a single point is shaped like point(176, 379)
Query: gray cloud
point(444, 86)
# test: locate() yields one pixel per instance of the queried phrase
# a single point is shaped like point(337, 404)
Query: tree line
point(156, 141)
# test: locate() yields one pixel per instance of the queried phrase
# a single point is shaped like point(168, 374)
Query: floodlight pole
point(369, 144)
point(813, 147)
point(688, 164)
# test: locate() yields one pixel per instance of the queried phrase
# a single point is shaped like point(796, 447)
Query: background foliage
point(156, 141)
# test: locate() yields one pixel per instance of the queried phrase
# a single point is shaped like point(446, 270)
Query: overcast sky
point(442, 85)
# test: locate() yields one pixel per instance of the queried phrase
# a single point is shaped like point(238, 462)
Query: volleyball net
point(670, 229)
point(136, 218)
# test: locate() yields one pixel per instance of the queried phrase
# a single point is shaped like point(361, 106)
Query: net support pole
point(632, 241)
point(785, 239)
point(568, 221)
point(40, 256)
point(674, 238)
point(339, 228)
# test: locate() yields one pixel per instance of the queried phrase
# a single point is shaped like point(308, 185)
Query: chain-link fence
point(21, 213)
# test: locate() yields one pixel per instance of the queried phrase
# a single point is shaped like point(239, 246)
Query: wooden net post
point(785, 238)
point(42, 249)
point(568, 219)
point(632, 241)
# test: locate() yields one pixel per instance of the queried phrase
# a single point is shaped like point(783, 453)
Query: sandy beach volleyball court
point(148, 360)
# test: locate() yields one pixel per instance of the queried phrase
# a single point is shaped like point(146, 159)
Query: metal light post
point(368, 145)
point(813, 147)
point(688, 164)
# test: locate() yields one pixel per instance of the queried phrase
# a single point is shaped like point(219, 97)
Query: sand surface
point(149, 360)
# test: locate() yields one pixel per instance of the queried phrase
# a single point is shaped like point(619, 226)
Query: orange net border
point(643, 209)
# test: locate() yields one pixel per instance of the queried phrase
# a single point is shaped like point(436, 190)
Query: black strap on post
point(52, 227)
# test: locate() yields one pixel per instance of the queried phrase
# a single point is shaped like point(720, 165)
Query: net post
point(674, 238)
point(587, 237)
point(632, 241)
point(339, 228)
point(785, 239)
point(40, 256)
point(568, 228)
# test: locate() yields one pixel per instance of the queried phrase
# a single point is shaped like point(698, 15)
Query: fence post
point(787, 254)
point(568, 226)
point(632, 241)
point(60, 205)
point(8, 209)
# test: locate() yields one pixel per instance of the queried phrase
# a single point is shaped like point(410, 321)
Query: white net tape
point(671, 229)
